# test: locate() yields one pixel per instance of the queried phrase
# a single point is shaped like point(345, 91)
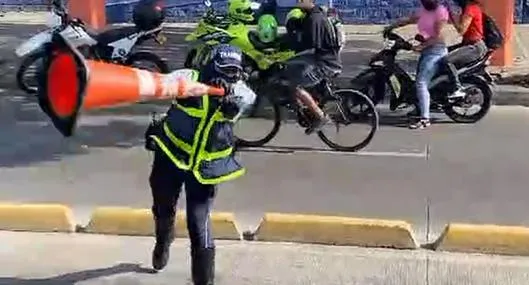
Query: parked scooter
point(114, 45)
point(386, 76)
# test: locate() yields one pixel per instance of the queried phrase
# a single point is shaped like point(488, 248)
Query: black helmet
point(226, 62)
point(148, 14)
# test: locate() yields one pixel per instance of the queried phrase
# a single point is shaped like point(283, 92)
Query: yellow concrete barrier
point(335, 231)
point(139, 222)
point(492, 239)
point(36, 217)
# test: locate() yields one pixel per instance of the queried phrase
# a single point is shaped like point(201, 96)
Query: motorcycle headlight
point(53, 20)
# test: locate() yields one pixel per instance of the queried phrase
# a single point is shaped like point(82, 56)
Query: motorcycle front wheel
point(349, 108)
point(28, 72)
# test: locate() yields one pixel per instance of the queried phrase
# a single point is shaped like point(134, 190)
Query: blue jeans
point(426, 69)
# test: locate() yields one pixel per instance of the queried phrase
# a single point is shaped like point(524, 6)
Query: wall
point(352, 11)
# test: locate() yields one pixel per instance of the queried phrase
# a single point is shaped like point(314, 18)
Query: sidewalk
point(60, 259)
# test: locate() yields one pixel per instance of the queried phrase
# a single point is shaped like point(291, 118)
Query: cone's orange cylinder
point(502, 11)
point(110, 85)
point(92, 12)
point(103, 85)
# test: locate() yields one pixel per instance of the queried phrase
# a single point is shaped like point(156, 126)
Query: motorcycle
point(384, 75)
point(115, 45)
point(216, 28)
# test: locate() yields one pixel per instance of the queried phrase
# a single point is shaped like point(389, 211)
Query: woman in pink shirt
point(431, 19)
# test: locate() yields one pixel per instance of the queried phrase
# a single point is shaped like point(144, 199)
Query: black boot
point(203, 266)
point(165, 233)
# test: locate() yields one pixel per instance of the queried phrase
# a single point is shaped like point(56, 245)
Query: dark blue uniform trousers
point(166, 181)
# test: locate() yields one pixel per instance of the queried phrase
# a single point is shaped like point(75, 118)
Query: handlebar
point(400, 42)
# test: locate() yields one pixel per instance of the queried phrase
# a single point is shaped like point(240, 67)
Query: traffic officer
point(193, 146)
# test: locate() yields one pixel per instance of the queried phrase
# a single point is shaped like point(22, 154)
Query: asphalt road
point(472, 173)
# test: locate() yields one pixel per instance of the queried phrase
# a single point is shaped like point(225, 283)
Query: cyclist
point(318, 57)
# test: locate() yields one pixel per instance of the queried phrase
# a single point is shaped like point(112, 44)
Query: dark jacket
point(317, 35)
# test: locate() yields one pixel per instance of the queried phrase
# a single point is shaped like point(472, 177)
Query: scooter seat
point(113, 35)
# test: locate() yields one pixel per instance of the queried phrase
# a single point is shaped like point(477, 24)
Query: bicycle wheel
point(349, 108)
point(258, 125)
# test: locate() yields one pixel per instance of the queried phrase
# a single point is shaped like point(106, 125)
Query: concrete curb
point(489, 239)
point(274, 227)
point(139, 222)
point(36, 217)
point(335, 231)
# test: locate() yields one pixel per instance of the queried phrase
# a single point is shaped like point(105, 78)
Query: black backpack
point(491, 33)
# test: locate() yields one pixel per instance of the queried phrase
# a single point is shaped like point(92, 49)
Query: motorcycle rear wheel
point(485, 104)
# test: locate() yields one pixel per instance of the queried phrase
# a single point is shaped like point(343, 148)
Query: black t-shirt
point(317, 35)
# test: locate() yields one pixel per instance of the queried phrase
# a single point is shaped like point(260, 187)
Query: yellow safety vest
point(197, 137)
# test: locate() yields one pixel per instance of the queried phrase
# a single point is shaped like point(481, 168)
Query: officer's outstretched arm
point(240, 99)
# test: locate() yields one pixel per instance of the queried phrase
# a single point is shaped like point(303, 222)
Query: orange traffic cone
point(73, 83)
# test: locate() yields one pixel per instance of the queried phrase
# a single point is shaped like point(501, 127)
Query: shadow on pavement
point(28, 136)
point(74, 277)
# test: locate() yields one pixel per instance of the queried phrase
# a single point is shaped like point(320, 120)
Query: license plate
point(161, 39)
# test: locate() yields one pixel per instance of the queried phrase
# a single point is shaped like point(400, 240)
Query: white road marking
point(290, 150)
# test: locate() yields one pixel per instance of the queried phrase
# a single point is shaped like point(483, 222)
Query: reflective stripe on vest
point(197, 141)
point(215, 163)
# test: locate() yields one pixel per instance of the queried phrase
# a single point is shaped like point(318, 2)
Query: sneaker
point(317, 125)
point(458, 94)
point(420, 124)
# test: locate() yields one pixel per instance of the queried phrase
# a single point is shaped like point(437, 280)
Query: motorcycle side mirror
point(255, 5)
point(207, 3)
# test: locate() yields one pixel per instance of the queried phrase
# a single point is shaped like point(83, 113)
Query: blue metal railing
point(352, 11)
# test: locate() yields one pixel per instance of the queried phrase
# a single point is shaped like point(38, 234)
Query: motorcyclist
point(266, 35)
point(193, 145)
point(469, 24)
point(318, 57)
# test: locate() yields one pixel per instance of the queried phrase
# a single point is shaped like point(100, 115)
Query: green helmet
point(295, 14)
point(294, 20)
point(240, 10)
point(267, 28)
